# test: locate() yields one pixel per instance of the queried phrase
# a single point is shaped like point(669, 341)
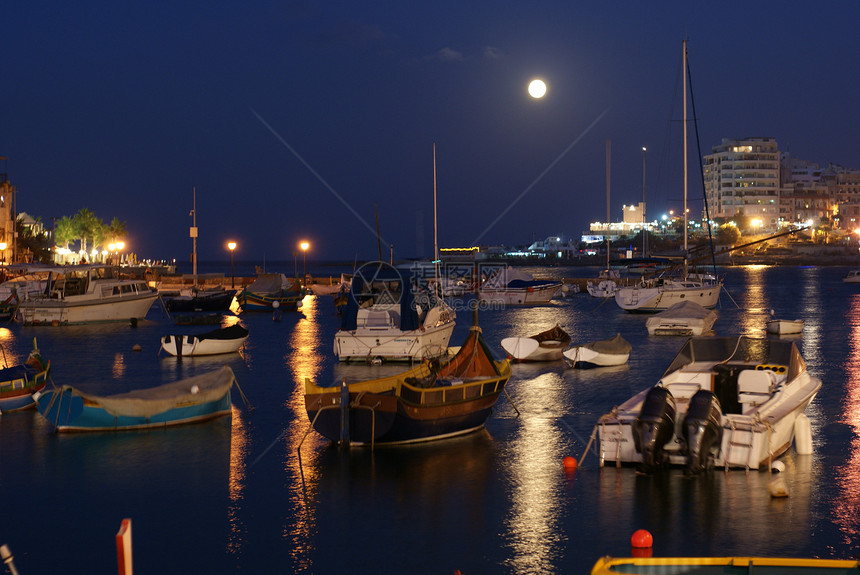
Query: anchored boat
point(440, 398)
point(723, 401)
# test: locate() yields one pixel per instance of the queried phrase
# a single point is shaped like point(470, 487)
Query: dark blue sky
point(294, 119)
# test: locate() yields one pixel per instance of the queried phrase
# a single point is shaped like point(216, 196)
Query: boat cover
point(234, 331)
point(685, 310)
point(148, 402)
point(268, 283)
point(613, 346)
point(383, 273)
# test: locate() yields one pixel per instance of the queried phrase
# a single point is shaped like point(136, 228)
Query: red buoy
point(569, 463)
point(641, 539)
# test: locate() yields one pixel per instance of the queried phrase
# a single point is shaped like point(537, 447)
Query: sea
point(261, 492)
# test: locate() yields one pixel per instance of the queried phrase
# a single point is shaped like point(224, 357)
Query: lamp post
point(304, 246)
point(232, 246)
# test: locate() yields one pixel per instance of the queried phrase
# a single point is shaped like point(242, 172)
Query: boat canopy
point(474, 360)
point(382, 284)
point(614, 346)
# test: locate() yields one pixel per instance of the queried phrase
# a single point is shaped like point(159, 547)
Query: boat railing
point(464, 391)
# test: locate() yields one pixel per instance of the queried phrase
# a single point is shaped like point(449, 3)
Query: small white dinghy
point(603, 353)
point(546, 346)
point(218, 341)
point(785, 326)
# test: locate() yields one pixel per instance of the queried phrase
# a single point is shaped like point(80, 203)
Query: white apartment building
point(742, 177)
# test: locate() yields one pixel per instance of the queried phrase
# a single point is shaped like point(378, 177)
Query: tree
point(64, 232)
point(39, 245)
point(86, 226)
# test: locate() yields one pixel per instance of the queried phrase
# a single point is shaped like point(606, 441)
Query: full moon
point(537, 89)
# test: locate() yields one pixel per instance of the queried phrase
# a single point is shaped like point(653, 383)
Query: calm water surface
point(234, 495)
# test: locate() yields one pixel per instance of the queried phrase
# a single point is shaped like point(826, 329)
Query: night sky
point(299, 120)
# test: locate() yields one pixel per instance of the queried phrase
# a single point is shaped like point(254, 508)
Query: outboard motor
point(702, 430)
point(654, 427)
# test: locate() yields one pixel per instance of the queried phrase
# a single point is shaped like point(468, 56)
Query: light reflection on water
point(533, 522)
point(495, 501)
point(846, 506)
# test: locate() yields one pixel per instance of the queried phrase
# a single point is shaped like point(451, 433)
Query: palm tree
point(86, 225)
point(64, 232)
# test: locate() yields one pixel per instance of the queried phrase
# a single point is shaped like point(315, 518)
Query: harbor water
point(236, 495)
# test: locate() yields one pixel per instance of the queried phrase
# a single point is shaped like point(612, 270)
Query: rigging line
point(540, 177)
point(701, 169)
point(314, 172)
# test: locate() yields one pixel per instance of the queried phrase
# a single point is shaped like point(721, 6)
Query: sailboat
point(195, 297)
point(388, 316)
point(662, 292)
point(605, 286)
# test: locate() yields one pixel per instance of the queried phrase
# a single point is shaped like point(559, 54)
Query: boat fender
point(803, 435)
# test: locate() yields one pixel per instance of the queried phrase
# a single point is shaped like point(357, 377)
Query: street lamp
point(232, 246)
point(304, 246)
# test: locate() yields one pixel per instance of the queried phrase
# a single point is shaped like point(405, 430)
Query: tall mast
point(684, 45)
point(435, 229)
point(608, 162)
point(193, 234)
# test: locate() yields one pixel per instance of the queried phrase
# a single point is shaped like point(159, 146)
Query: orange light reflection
point(846, 505)
point(304, 360)
point(239, 441)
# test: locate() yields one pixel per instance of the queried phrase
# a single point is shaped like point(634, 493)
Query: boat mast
point(193, 234)
point(608, 162)
point(684, 45)
point(435, 229)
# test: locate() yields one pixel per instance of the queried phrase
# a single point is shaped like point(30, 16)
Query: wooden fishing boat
point(546, 346)
point(713, 565)
point(18, 383)
point(603, 353)
point(222, 340)
point(723, 401)
point(270, 291)
point(189, 400)
point(440, 398)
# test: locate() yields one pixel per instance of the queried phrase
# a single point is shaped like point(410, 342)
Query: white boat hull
point(192, 346)
point(652, 299)
point(757, 432)
point(526, 296)
point(785, 326)
point(583, 356)
point(72, 310)
point(387, 344)
point(602, 289)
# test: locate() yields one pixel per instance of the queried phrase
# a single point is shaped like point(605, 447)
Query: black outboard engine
point(654, 427)
point(702, 430)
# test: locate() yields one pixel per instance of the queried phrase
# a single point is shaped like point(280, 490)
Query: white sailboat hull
point(80, 309)
point(658, 298)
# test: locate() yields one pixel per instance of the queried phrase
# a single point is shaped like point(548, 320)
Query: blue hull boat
point(189, 400)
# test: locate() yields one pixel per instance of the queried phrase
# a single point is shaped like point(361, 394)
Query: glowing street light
point(232, 246)
point(304, 245)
